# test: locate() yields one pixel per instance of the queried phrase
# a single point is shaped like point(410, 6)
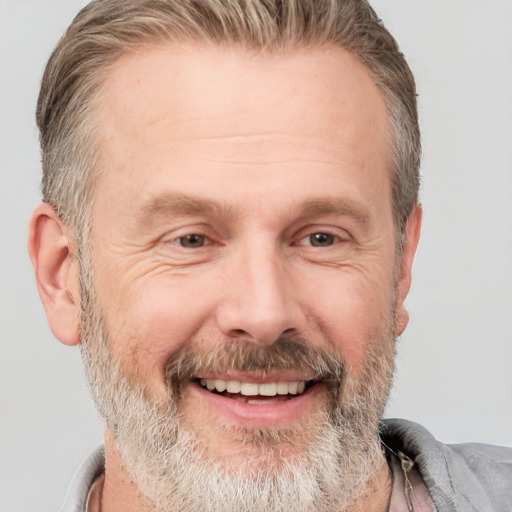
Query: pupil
point(192, 241)
point(321, 239)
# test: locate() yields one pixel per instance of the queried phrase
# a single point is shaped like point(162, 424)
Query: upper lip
point(257, 377)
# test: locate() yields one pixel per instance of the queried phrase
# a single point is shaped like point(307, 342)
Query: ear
point(411, 237)
point(52, 252)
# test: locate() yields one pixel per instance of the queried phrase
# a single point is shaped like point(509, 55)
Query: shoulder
point(466, 477)
point(476, 454)
point(491, 465)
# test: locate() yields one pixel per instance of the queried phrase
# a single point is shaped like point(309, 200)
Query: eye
point(321, 239)
point(192, 241)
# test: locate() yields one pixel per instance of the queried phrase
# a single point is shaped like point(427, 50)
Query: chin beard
point(172, 467)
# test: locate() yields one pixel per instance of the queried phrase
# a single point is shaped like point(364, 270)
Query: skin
point(255, 153)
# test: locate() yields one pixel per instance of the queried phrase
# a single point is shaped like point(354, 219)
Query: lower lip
point(265, 414)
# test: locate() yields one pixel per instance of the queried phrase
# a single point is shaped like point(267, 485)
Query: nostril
point(241, 333)
point(238, 332)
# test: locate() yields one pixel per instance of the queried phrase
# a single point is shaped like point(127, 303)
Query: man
point(230, 218)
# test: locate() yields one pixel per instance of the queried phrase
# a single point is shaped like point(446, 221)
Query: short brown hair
point(106, 29)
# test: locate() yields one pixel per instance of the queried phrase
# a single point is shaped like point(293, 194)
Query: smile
point(252, 389)
point(257, 398)
point(254, 393)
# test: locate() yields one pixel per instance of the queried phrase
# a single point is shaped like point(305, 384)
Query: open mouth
point(254, 393)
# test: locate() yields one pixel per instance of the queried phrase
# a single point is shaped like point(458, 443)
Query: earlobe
point(411, 238)
point(51, 250)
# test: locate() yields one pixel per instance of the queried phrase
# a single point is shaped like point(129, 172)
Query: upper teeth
point(253, 389)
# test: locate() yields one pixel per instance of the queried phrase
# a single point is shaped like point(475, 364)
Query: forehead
point(200, 109)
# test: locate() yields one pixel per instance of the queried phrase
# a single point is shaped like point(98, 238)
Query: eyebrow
point(337, 206)
point(182, 204)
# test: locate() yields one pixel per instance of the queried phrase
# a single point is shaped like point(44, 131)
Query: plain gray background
point(455, 360)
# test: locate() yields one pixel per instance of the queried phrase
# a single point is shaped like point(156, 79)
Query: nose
point(259, 302)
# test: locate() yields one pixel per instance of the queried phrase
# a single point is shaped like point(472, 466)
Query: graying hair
point(107, 29)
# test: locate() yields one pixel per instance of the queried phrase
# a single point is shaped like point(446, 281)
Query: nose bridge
point(258, 303)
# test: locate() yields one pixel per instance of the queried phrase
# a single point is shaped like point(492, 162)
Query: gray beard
point(170, 464)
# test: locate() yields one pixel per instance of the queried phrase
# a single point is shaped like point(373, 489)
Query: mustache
point(296, 354)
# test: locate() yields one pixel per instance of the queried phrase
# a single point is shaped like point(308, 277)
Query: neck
point(120, 493)
point(378, 494)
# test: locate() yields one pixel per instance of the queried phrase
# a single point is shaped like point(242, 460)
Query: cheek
point(353, 312)
point(151, 319)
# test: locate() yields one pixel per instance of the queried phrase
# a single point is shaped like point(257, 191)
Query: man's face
point(245, 202)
